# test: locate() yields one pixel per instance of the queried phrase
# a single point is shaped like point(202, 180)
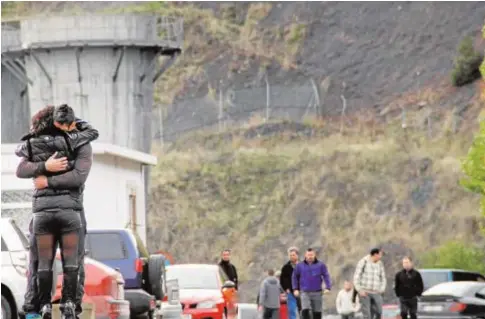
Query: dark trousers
point(349, 316)
point(408, 306)
point(270, 313)
point(31, 303)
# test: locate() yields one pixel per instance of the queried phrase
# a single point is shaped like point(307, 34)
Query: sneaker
point(46, 312)
point(33, 315)
point(68, 310)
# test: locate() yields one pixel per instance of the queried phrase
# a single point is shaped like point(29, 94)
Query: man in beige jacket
point(370, 283)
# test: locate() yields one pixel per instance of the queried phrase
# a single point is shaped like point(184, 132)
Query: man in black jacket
point(286, 273)
point(72, 178)
point(228, 267)
point(408, 286)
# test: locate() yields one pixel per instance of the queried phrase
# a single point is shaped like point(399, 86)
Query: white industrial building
point(105, 67)
point(115, 191)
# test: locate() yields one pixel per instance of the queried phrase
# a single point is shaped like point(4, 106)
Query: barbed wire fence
point(226, 107)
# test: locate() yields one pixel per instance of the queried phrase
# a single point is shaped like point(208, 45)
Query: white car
point(14, 268)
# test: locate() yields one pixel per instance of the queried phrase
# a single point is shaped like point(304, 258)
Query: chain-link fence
point(229, 107)
point(222, 108)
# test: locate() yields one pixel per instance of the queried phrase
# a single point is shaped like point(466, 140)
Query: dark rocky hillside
point(338, 188)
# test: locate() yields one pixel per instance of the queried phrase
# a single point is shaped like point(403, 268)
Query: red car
point(104, 288)
point(205, 291)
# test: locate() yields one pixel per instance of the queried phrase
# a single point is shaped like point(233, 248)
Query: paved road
point(250, 311)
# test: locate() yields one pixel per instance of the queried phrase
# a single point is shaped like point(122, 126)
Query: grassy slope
point(339, 194)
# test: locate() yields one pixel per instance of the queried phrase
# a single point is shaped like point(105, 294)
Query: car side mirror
point(229, 285)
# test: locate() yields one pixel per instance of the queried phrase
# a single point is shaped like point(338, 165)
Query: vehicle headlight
point(206, 304)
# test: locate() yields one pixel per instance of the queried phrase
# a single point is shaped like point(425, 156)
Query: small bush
point(482, 66)
point(466, 64)
point(456, 254)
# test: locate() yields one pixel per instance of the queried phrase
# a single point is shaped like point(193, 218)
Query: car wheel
point(156, 270)
point(6, 309)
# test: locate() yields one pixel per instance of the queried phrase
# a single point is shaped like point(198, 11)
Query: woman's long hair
point(43, 120)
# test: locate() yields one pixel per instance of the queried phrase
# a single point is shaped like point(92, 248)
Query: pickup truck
point(143, 273)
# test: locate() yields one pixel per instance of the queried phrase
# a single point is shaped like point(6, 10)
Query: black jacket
point(38, 148)
point(230, 271)
point(408, 284)
point(285, 278)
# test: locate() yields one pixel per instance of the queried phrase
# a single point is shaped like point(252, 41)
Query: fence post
point(317, 97)
point(268, 97)
point(221, 109)
point(429, 112)
point(344, 107)
point(160, 114)
point(403, 118)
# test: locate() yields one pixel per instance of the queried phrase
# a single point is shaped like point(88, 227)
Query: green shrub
point(466, 64)
point(482, 66)
point(455, 254)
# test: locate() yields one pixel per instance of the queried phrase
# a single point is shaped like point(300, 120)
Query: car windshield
point(193, 277)
point(432, 278)
point(456, 289)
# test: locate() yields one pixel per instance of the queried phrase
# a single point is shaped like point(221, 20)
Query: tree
point(467, 63)
point(474, 168)
point(456, 255)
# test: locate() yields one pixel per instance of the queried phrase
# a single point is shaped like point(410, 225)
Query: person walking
point(307, 279)
point(408, 286)
point(370, 283)
point(269, 296)
point(228, 267)
point(286, 275)
point(346, 307)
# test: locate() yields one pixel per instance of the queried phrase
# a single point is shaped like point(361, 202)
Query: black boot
point(69, 286)
point(305, 314)
point(45, 290)
point(317, 315)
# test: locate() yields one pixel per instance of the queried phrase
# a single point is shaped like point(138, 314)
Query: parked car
point(143, 273)
point(432, 277)
point(205, 291)
point(103, 287)
point(14, 268)
point(465, 299)
point(171, 308)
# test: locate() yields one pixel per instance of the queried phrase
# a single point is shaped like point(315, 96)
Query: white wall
point(106, 196)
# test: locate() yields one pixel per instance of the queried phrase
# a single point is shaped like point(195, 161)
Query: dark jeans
point(270, 313)
point(32, 294)
point(408, 306)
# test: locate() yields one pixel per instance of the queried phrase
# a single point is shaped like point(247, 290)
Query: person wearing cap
point(370, 283)
point(307, 280)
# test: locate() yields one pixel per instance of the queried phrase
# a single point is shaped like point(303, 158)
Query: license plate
point(433, 308)
point(186, 316)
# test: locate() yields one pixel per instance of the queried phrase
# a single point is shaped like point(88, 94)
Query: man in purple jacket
point(307, 281)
